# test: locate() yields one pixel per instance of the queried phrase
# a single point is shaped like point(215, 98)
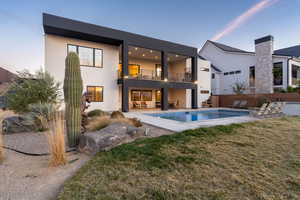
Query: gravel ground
point(30, 177)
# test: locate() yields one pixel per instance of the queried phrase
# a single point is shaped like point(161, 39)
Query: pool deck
point(178, 126)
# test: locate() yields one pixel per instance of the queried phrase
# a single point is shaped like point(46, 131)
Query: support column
point(194, 98)
point(125, 97)
point(195, 81)
point(164, 98)
point(164, 65)
point(124, 59)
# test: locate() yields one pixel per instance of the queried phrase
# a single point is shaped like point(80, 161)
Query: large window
point(295, 74)
point(277, 73)
point(95, 93)
point(90, 57)
point(141, 95)
point(252, 76)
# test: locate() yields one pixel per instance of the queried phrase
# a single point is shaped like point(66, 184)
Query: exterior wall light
point(125, 77)
point(196, 82)
point(166, 80)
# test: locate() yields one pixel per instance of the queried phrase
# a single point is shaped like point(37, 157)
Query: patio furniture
point(236, 104)
point(143, 104)
point(136, 105)
point(243, 104)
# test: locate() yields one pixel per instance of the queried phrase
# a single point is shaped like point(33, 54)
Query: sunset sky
point(232, 22)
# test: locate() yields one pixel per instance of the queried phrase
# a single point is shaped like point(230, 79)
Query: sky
point(191, 22)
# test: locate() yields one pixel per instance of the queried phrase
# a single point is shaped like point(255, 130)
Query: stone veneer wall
point(264, 66)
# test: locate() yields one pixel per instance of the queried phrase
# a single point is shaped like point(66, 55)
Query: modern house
point(262, 71)
point(126, 71)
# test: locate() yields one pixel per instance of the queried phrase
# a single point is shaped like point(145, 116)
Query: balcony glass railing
point(146, 74)
point(180, 77)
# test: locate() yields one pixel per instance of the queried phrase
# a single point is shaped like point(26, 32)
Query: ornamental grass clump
point(56, 141)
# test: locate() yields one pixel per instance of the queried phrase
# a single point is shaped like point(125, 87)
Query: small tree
point(239, 88)
point(30, 89)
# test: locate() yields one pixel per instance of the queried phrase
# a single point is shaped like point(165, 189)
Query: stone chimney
point(264, 65)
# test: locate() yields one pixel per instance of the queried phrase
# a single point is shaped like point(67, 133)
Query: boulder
point(17, 124)
point(111, 136)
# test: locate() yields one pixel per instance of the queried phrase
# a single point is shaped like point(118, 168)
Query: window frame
point(94, 59)
point(251, 86)
point(281, 74)
point(102, 100)
point(140, 95)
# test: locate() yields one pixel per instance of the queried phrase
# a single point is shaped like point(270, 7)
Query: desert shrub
point(96, 113)
point(135, 122)
point(279, 90)
point(262, 100)
point(32, 88)
point(98, 123)
point(41, 114)
point(117, 115)
point(56, 141)
point(239, 88)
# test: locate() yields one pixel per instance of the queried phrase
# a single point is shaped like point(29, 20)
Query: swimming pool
point(199, 115)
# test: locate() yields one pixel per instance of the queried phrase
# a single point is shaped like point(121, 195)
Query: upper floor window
point(90, 57)
point(212, 76)
point(277, 73)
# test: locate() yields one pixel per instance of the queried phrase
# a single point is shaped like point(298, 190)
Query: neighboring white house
point(262, 71)
point(123, 71)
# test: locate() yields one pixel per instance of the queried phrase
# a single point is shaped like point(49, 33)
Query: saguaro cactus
point(72, 93)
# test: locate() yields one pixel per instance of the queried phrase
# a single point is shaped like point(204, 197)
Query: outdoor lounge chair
point(136, 105)
point(236, 104)
point(243, 104)
point(261, 110)
point(143, 104)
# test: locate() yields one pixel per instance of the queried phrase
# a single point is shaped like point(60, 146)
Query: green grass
point(223, 162)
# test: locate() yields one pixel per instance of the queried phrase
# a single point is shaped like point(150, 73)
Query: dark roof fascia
point(85, 31)
point(226, 48)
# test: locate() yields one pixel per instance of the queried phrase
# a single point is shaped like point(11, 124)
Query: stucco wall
point(227, 62)
point(56, 52)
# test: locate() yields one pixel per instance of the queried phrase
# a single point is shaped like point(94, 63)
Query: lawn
point(257, 160)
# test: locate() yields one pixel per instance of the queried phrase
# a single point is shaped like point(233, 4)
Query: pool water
point(199, 115)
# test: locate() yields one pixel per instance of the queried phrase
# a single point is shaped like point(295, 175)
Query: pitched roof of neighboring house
point(290, 51)
point(228, 48)
point(6, 76)
point(212, 66)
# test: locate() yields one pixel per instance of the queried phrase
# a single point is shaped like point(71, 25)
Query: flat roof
point(85, 31)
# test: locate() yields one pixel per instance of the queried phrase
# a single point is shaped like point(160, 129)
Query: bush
point(98, 123)
point(41, 114)
point(30, 89)
point(135, 122)
point(117, 115)
point(96, 113)
point(279, 90)
point(262, 100)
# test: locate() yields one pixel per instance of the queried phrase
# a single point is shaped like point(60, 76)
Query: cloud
point(240, 20)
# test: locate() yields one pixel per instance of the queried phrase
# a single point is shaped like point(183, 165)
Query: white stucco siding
point(204, 83)
point(227, 62)
point(56, 52)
